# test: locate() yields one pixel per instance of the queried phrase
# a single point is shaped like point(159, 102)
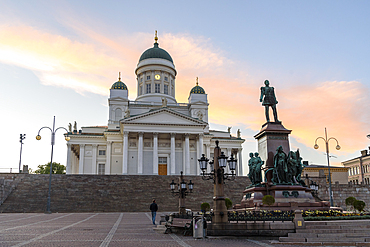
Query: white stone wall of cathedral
point(114, 156)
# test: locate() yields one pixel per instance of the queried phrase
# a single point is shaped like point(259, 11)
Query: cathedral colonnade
point(149, 153)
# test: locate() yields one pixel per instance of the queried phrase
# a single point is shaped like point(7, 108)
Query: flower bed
point(318, 215)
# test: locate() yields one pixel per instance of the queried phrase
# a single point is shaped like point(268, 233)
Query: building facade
point(359, 168)
point(337, 174)
point(154, 134)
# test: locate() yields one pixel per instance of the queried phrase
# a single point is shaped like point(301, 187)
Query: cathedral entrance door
point(162, 165)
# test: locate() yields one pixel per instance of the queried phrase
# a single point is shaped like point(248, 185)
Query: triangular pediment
point(163, 116)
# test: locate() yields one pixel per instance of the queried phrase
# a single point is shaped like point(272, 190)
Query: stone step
point(326, 227)
point(347, 235)
point(337, 222)
point(321, 243)
point(336, 239)
point(337, 231)
point(302, 235)
point(292, 239)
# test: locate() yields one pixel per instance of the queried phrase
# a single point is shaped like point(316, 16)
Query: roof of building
point(197, 89)
point(156, 52)
point(323, 166)
point(119, 85)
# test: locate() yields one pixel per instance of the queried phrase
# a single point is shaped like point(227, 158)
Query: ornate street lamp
point(38, 137)
point(314, 187)
point(182, 191)
point(218, 176)
point(222, 161)
point(326, 140)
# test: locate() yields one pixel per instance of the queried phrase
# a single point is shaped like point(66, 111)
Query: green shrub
point(205, 206)
point(268, 200)
point(350, 201)
point(359, 205)
point(228, 203)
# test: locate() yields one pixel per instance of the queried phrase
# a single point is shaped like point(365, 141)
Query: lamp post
point(326, 140)
point(21, 138)
point(314, 187)
point(218, 175)
point(181, 191)
point(38, 137)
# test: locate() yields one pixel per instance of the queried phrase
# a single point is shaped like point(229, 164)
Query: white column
point(140, 154)
point(162, 82)
point(240, 162)
point(93, 162)
point(125, 152)
point(228, 154)
point(82, 157)
point(152, 90)
point(187, 155)
point(69, 159)
point(208, 155)
point(183, 156)
point(200, 152)
point(155, 153)
point(107, 157)
point(75, 165)
point(173, 153)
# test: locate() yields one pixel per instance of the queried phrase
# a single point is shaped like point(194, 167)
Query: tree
point(205, 207)
point(359, 205)
point(45, 169)
point(228, 203)
point(268, 200)
point(350, 201)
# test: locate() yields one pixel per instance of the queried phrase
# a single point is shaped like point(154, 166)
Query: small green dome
point(155, 52)
point(119, 85)
point(197, 90)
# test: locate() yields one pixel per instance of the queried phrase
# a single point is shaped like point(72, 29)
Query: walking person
point(153, 207)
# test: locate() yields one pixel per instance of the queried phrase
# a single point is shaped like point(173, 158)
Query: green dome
point(155, 52)
point(197, 90)
point(119, 85)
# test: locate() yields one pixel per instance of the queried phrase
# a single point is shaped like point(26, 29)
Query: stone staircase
point(330, 233)
point(108, 193)
point(8, 182)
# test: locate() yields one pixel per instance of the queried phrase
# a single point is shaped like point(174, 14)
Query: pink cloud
point(92, 66)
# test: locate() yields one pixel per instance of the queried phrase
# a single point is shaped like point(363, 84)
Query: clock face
point(157, 77)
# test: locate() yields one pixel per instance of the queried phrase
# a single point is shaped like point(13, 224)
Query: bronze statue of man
point(268, 99)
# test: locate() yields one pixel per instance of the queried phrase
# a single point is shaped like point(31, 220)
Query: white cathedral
point(154, 134)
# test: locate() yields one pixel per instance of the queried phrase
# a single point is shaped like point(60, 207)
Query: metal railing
point(9, 170)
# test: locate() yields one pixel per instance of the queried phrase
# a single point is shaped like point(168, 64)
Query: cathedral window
point(165, 89)
point(148, 77)
point(166, 78)
point(101, 152)
point(141, 79)
point(157, 88)
point(162, 160)
point(101, 170)
point(148, 88)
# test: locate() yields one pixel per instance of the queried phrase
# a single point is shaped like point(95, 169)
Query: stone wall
point(342, 191)
point(114, 193)
point(111, 193)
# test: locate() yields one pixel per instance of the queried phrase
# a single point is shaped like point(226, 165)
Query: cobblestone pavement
point(99, 229)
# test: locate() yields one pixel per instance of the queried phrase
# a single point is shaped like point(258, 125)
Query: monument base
point(287, 197)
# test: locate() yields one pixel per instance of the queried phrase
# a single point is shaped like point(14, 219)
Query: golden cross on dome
point(197, 81)
point(156, 37)
point(119, 76)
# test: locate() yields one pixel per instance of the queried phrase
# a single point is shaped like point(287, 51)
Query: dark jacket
point(153, 207)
